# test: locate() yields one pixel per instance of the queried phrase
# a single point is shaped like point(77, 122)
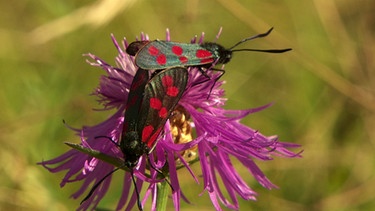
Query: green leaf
point(97, 154)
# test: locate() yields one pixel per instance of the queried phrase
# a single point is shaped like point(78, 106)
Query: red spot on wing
point(146, 132)
point(152, 50)
point(155, 103)
point(163, 113)
point(161, 59)
point(183, 59)
point(167, 81)
point(160, 112)
point(177, 50)
point(152, 139)
point(172, 91)
point(203, 53)
point(208, 60)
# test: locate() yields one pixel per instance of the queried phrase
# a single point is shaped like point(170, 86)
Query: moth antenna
point(251, 38)
point(216, 80)
point(136, 190)
point(266, 51)
point(109, 139)
point(97, 185)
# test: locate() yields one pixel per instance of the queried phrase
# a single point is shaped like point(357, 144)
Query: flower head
point(220, 137)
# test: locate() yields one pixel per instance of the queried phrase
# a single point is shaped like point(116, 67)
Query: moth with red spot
point(159, 54)
point(145, 117)
point(150, 104)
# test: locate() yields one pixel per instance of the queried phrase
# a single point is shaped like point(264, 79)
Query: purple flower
point(220, 137)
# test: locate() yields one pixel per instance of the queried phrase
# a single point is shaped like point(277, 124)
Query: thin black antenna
point(109, 138)
point(139, 204)
point(258, 36)
point(251, 38)
point(267, 50)
point(102, 179)
point(105, 177)
point(97, 185)
point(136, 190)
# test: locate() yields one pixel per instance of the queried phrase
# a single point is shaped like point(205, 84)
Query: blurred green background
point(323, 92)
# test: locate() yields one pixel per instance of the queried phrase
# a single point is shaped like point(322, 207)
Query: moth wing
point(135, 98)
point(161, 95)
point(159, 54)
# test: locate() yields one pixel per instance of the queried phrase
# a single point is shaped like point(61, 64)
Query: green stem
point(162, 200)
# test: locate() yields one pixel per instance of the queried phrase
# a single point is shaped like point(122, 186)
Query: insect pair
point(151, 101)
